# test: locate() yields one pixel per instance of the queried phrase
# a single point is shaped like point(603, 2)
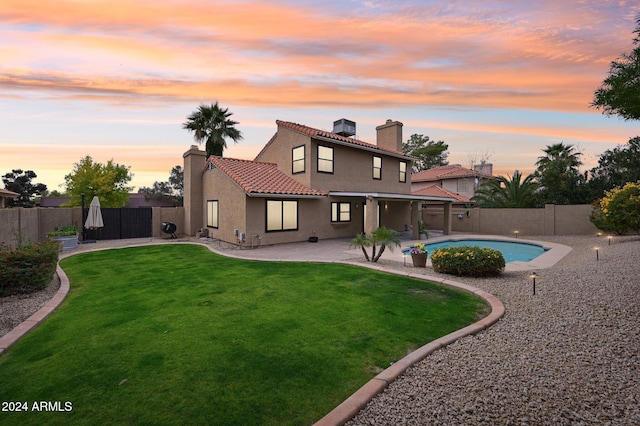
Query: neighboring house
point(5, 193)
point(454, 178)
point(136, 200)
point(438, 191)
point(304, 183)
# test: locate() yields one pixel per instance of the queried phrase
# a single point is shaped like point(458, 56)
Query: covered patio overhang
point(373, 198)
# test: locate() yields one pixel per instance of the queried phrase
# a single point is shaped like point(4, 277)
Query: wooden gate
point(123, 223)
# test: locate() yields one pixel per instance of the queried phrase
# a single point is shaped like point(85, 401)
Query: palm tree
point(212, 125)
point(558, 174)
point(382, 236)
point(509, 192)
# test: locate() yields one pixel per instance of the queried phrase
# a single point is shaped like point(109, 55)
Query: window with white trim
point(282, 215)
point(297, 159)
point(325, 159)
point(340, 212)
point(212, 213)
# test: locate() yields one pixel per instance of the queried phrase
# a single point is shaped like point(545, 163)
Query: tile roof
point(7, 193)
point(256, 177)
point(446, 172)
point(438, 191)
point(310, 131)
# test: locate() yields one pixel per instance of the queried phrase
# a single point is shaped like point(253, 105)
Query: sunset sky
point(115, 79)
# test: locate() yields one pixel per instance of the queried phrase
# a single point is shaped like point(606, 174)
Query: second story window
point(462, 185)
point(297, 159)
point(325, 159)
point(403, 171)
point(377, 167)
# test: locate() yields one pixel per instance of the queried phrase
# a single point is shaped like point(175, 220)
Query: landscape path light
point(609, 237)
point(597, 254)
point(516, 232)
point(533, 276)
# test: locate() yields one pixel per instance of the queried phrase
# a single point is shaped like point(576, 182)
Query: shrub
point(28, 268)
point(470, 261)
point(619, 210)
point(63, 231)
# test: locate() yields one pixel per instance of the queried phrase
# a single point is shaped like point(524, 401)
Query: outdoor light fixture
point(609, 238)
point(516, 232)
point(598, 234)
point(597, 254)
point(533, 277)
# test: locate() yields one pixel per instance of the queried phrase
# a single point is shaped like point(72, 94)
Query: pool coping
point(553, 254)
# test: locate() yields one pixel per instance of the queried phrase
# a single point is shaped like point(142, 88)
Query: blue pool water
point(511, 250)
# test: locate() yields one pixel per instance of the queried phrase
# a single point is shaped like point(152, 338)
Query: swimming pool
point(511, 250)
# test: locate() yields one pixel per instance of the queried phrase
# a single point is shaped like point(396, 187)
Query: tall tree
point(107, 181)
point(212, 125)
point(430, 154)
point(616, 167)
point(619, 93)
point(558, 175)
point(509, 192)
point(19, 181)
point(171, 191)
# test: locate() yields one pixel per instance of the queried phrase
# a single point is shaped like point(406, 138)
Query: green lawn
point(175, 334)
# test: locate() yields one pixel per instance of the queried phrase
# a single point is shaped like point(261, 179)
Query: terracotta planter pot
point(419, 260)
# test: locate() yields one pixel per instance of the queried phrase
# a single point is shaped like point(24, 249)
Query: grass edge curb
point(350, 407)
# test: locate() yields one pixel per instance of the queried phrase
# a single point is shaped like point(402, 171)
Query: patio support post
point(371, 220)
point(415, 227)
point(447, 218)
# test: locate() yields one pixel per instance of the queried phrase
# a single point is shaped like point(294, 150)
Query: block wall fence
point(31, 225)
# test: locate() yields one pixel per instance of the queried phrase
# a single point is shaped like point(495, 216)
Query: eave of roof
point(447, 172)
point(260, 179)
point(438, 191)
point(7, 193)
point(391, 196)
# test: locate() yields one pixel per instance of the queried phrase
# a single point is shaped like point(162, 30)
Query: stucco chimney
point(194, 161)
point(483, 167)
point(389, 135)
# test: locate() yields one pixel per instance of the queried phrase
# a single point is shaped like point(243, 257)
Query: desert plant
point(619, 210)
point(470, 261)
point(27, 268)
point(384, 237)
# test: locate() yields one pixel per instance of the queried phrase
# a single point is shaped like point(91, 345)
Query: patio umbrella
point(94, 218)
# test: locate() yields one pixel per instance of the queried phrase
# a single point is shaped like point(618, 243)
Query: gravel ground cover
point(568, 355)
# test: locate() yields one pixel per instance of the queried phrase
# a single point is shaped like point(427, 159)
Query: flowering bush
point(470, 261)
point(418, 248)
point(619, 210)
point(28, 268)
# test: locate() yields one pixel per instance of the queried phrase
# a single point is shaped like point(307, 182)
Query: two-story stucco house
point(304, 183)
